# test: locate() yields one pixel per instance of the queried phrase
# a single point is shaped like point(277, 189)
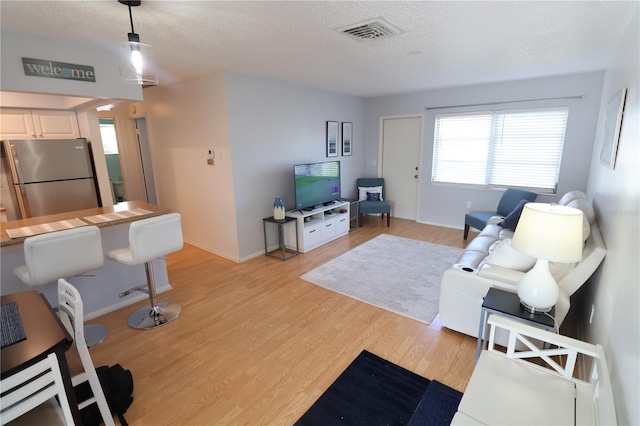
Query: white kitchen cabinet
point(19, 123)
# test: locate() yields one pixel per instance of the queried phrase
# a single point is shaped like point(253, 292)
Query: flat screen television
point(316, 184)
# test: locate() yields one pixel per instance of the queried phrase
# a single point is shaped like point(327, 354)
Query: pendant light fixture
point(138, 61)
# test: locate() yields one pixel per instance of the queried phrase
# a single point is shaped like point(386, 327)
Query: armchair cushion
point(364, 190)
point(367, 207)
point(373, 196)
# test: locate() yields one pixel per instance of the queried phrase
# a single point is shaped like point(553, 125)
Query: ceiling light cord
point(133, 37)
point(131, 19)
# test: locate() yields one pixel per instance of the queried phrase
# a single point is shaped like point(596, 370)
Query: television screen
point(316, 183)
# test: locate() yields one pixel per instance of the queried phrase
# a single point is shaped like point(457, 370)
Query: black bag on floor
point(117, 385)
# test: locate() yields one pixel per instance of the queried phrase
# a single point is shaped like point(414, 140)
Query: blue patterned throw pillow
point(512, 219)
point(373, 196)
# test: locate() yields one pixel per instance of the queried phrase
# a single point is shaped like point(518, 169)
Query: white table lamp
point(550, 233)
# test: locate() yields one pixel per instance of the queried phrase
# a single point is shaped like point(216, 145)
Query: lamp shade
point(550, 232)
point(138, 63)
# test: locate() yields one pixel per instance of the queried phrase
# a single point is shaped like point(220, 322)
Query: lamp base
point(533, 310)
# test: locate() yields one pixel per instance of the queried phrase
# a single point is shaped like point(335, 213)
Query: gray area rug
point(398, 274)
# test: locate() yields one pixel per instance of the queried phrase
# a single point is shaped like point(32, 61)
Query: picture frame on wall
point(612, 125)
point(332, 138)
point(347, 138)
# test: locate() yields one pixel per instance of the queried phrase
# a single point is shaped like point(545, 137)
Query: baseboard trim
point(207, 249)
point(129, 301)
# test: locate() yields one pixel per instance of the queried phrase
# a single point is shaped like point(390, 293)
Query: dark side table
point(507, 304)
point(354, 212)
point(282, 252)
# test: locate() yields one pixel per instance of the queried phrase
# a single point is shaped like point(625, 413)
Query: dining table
point(42, 333)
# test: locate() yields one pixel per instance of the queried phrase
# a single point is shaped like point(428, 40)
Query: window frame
point(493, 142)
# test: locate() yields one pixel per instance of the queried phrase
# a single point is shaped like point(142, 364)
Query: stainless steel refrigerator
point(51, 175)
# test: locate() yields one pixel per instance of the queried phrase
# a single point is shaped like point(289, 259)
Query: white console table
point(318, 226)
point(507, 389)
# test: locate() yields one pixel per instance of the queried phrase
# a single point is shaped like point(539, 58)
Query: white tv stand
point(318, 226)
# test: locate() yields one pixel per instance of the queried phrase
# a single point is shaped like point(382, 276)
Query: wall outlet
point(593, 310)
point(468, 204)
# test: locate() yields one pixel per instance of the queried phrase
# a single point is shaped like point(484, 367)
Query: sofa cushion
point(506, 256)
point(511, 221)
point(586, 207)
point(570, 196)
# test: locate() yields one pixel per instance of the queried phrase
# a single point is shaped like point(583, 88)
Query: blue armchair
point(373, 206)
point(508, 202)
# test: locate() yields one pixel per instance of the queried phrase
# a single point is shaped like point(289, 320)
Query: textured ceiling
point(442, 44)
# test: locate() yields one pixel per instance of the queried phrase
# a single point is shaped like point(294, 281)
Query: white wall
point(614, 289)
point(274, 125)
point(108, 85)
point(259, 128)
point(446, 205)
point(185, 120)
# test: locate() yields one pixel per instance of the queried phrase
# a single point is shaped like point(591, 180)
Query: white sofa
point(482, 265)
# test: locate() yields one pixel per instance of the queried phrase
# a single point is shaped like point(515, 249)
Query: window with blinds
point(510, 148)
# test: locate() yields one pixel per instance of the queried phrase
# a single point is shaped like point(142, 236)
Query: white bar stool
point(151, 239)
point(63, 254)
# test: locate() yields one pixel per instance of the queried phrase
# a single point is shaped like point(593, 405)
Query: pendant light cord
point(131, 18)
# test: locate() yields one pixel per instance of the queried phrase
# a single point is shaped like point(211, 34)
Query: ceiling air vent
point(373, 29)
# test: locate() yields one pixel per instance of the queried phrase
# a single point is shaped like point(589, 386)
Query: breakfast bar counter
point(100, 288)
point(122, 208)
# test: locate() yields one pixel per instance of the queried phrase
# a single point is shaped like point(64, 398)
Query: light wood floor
point(256, 345)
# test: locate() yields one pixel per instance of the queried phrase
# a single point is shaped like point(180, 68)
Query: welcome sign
point(51, 69)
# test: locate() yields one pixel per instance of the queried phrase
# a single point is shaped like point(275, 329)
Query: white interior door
point(401, 146)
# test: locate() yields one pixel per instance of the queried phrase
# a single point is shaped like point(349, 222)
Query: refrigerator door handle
point(16, 175)
point(17, 178)
point(23, 201)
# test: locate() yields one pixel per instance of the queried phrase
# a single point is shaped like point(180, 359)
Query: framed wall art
point(332, 138)
point(612, 125)
point(347, 138)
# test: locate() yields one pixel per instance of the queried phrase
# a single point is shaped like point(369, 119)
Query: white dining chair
point(32, 387)
point(70, 311)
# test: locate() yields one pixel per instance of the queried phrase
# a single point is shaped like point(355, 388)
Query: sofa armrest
point(593, 254)
point(494, 220)
point(494, 272)
point(461, 296)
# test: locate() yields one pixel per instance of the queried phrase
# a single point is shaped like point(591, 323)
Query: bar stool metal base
point(152, 317)
point(94, 334)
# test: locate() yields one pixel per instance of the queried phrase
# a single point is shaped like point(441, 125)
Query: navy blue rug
point(374, 391)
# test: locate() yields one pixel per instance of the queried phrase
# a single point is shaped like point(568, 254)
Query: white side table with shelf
point(318, 226)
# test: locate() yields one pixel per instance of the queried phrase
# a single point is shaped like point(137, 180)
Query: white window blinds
point(521, 148)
